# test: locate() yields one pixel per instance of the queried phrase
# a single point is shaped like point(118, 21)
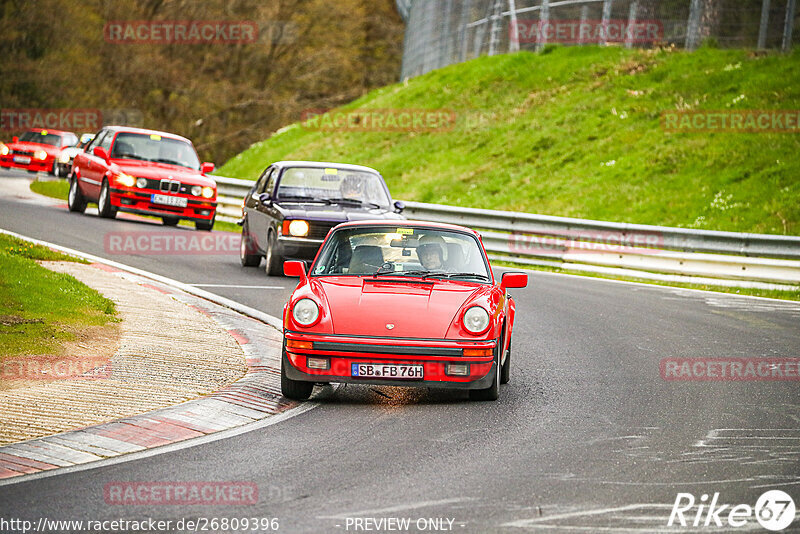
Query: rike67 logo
point(774, 511)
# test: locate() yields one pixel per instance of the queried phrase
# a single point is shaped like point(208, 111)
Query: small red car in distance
point(146, 172)
point(399, 303)
point(36, 150)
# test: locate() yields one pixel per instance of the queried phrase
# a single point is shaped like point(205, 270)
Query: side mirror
point(101, 153)
point(513, 280)
point(265, 198)
point(206, 167)
point(295, 269)
point(399, 206)
point(15, 139)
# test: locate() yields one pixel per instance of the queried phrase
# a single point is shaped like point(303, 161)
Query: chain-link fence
point(441, 32)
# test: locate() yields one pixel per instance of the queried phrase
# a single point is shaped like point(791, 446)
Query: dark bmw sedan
point(294, 204)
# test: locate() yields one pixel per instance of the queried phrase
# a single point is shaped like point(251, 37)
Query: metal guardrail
point(598, 246)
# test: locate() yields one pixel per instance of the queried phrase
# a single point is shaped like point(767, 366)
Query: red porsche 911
point(399, 303)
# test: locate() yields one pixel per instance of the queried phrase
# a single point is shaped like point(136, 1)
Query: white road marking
point(391, 509)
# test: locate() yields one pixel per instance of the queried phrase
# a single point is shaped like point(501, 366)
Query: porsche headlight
point(4, 150)
point(476, 320)
point(208, 192)
point(298, 228)
point(126, 179)
point(305, 312)
point(197, 190)
point(40, 154)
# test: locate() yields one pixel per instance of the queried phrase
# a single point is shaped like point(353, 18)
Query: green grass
point(577, 132)
point(40, 309)
point(60, 190)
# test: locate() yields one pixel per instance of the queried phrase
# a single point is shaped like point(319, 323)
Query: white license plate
point(169, 201)
point(22, 159)
point(379, 370)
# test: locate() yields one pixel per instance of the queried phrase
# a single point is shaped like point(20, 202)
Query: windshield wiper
point(353, 201)
point(129, 156)
point(457, 275)
point(300, 198)
point(381, 272)
point(170, 162)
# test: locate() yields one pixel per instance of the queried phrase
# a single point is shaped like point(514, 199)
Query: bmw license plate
point(24, 160)
point(379, 370)
point(168, 201)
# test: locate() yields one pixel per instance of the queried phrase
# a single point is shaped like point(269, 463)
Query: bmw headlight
point(208, 192)
point(64, 157)
point(197, 190)
point(305, 312)
point(141, 183)
point(40, 154)
point(476, 320)
point(126, 179)
point(4, 150)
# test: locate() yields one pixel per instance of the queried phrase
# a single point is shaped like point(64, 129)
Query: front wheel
point(56, 170)
point(274, 263)
point(294, 389)
point(492, 392)
point(76, 201)
point(248, 256)
point(505, 371)
point(205, 226)
point(104, 207)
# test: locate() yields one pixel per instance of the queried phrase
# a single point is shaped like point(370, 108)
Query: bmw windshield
point(153, 147)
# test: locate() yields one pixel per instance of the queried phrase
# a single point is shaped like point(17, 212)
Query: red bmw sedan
point(401, 303)
point(145, 172)
point(36, 150)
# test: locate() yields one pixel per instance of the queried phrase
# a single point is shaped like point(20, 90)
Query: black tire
point(104, 207)
point(492, 392)
point(273, 262)
point(294, 389)
point(170, 221)
point(205, 226)
point(75, 200)
point(247, 249)
point(55, 171)
point(505, 371)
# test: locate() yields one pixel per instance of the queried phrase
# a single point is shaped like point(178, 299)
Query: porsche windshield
point(403, 251)
point(333, 185)
point(153, 147)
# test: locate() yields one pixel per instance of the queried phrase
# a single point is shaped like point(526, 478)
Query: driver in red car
point(431, 252)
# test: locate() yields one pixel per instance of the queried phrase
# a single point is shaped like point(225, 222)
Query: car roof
point(408, 224)
point(324, 164)
point(145, 131)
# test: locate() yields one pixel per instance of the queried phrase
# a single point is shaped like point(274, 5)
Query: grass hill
point(577, 131)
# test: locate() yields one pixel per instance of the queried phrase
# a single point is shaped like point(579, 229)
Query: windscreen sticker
point(405, 231)
point(155, 137)
point(331, 171)
point(44, 132)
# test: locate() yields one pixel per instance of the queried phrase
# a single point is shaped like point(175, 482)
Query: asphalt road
point(587, 437)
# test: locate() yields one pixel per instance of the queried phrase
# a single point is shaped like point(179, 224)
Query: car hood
point(336, 212)
point(159, 171)
point(417, 309)
point(33, 147)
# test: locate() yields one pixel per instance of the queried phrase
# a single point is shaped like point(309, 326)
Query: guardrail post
point(606, 20)
point(632, 14)
point(762, 31)
point(693, 25)
point(789, 26)
point(544, 20)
